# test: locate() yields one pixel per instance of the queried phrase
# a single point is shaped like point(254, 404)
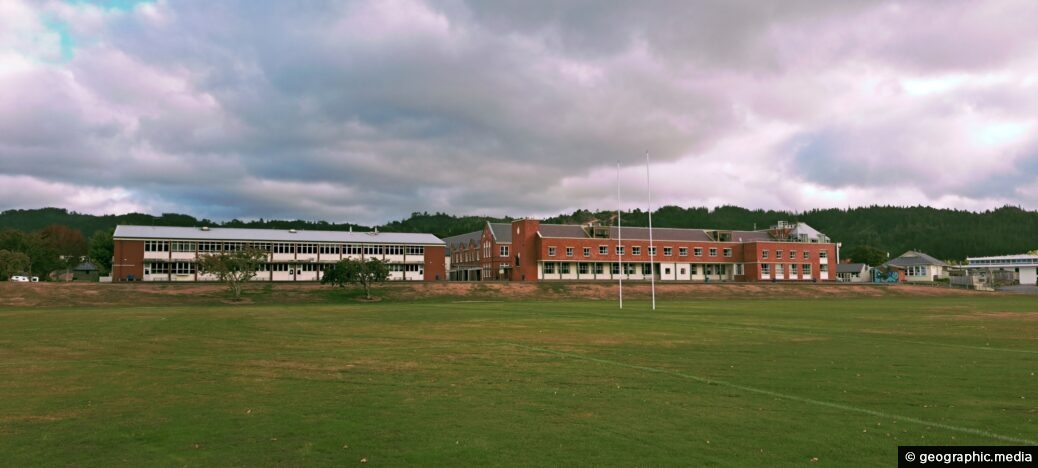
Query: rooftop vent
point(291, 231)
point(205, 228)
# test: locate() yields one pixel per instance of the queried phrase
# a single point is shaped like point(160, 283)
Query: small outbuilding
point(918, 267)
point(853, 272)
point(85, 271)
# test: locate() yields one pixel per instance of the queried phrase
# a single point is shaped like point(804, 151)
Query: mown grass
point(712, 382)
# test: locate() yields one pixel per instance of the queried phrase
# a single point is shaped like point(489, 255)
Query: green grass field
point(711, 382)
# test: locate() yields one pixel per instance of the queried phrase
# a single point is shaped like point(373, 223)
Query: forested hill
point(945, 234)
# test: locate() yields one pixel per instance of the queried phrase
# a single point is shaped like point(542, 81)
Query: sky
point(367, 111)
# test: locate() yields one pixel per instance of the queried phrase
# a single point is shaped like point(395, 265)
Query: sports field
point(779, 382)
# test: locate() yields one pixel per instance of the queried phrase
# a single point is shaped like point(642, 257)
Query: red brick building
point(526, 250)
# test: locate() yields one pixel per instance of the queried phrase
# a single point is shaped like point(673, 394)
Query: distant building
point(85, 271)
point(853, 272)
point(918, 267)
point(1024, 266)
point(152, 253)
point(526, 250)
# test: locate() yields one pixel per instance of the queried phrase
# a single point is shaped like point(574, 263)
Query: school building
point(527, 250)
point(158, 253)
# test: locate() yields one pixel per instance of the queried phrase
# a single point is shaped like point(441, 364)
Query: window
point(668, 251)
point(583, 268)
point(393, 249)
point(549, 267)
point(569, 251)
point(587, 251)
point(619, 250)
point(598, 268)
point(369, 249)
point(693, 270)
point(708, 270)
point(646, 268)
point(682, 251)
point(793, 269)
point(764, 253)
point(329, 249)
point(806, 268)
point(652, 251)
point(682, 271)
point(823, 254)
point(629, 268)
point(159, 268)
point(278, 248)
point(603, 250)
point(564, 268)
point(182, 268)
point(728, 253)
point(209, 246)
point(738, 268)
point(156, 246)
point(636, 250)
point(713, 251)
point(807, 255)
point(504, 250)
point(551, 251)
point(778, 255)
point(307, 248)
point(823, 268)
point(666, 271)
point(354, 249)
point(615, 268)
point(697, 251)
point(415, 250)
point(792, 254)
point(183, 246)
point(765, 269)
point(778, 268)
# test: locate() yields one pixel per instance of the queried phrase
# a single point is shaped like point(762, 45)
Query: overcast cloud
point(367, 111)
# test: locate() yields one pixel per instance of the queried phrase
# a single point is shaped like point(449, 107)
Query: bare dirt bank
point(172, 294)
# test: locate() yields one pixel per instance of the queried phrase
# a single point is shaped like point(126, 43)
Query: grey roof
point(272, 235)
point(913, 258)
point(572, 231)
point(751, 236)
point(85, 266)
point(463, 239)
point(502, 232)
point(850, 267)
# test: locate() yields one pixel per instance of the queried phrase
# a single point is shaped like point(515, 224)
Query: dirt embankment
point(168, 294)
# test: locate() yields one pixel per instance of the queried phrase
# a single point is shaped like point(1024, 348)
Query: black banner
point(916, 456)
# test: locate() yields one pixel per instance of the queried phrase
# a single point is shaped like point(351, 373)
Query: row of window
point(764, 253)
point(780, 269)
point(284, 248)
point(564, 268)
point(637, 250)
point(188, 268)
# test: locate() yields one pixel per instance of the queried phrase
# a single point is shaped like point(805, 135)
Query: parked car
point(21, 279)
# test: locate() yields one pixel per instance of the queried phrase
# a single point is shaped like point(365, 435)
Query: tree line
point(51, 237)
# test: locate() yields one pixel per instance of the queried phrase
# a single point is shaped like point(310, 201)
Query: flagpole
point(619, 237)
point(652, 247)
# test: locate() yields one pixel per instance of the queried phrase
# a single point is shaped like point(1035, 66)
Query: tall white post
point(619, 237)
point(652, 247)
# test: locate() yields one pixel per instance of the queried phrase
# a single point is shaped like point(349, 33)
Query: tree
point(234, 268)
point(866, 254)
point(102, 249)
point(12, 263)
point(364, 273)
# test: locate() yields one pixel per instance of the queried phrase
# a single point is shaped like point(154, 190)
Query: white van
point(20, 279)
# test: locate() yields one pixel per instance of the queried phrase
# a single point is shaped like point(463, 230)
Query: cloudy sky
point(365, 111)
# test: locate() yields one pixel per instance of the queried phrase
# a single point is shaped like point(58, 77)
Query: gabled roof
point(502, 232)
point(462, 239)
point(913, 258)
point(85, 266)
point(850, 267)
point(271, 235)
